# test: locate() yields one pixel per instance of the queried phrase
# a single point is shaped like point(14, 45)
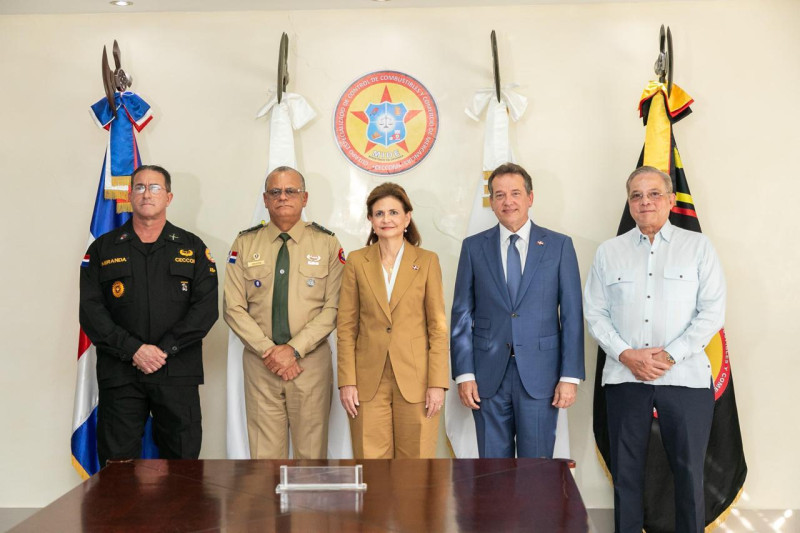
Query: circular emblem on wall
point(117, 289)
point(385, 122)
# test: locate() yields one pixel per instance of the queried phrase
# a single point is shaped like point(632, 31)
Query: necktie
point(513, 269)
point(280, 296)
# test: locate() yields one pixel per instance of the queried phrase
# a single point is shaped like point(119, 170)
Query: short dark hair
point(284, 168)
point(154, 168)
point(395, 191)
point(511, 168)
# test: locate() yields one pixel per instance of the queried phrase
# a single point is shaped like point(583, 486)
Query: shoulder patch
point(323, 229)
point(254, 228)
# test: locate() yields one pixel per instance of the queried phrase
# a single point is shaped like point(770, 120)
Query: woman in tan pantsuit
point(392, 336)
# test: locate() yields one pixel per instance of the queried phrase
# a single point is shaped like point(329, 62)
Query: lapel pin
point(540, 243)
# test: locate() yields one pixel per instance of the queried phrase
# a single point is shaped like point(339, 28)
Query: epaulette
point(323, 229)
point(254, 228)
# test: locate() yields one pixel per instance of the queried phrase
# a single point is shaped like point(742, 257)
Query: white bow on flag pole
point(292, 113)
point(459, 423)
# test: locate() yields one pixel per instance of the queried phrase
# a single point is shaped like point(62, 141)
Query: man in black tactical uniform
point(148, 297)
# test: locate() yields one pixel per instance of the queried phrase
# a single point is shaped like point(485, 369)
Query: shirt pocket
point(313, 281)
point(181, 281)
point(117, 283)
point(620, 286)
point(680, 284)
point(257, 280)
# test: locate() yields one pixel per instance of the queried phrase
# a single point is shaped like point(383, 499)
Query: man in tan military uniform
point(287, 385)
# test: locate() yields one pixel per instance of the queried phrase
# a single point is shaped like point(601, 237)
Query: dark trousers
point(513, 415)
point(122, 413)
point(684, 417)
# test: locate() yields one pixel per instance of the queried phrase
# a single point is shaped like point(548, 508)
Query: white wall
point(583, 68)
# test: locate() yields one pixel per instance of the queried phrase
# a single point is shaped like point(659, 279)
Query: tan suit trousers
point(389, 427)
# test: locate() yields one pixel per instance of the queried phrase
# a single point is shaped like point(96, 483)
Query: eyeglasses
point(653, 196)
point(154, 188)
point(290, 192)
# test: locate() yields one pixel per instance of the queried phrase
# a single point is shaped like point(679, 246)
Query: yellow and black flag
point(725, 467)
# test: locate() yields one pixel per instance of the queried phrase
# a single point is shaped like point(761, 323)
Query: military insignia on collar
point(123, 237)
point(209, 256)
point(186, 253)
point(341, 256)
point(172, 237)
point(414, 267)
point(118, 289)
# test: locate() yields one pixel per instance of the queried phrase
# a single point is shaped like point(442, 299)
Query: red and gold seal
point(386, 122)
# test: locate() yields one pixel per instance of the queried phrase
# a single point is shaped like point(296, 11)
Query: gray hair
point(284, 168)
point(649, 170)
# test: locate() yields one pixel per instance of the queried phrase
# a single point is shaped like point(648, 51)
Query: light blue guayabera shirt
point(670, 294)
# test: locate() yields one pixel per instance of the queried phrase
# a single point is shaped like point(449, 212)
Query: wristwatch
point(670, 359)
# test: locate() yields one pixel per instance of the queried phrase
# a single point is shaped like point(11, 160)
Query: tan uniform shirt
point(315, 272)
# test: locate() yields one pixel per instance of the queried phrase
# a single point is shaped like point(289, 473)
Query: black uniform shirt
point(164, 293)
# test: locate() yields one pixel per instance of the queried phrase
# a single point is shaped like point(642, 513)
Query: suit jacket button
point(514, 315)
point(389, 329)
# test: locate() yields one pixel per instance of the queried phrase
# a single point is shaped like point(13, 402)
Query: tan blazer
point(411, 329)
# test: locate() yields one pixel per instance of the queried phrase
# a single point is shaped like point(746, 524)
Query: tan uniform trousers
point(276, 408)
point(388, 427)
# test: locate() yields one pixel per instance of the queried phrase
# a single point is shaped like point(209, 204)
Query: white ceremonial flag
point(459, 423)
point(292, 113)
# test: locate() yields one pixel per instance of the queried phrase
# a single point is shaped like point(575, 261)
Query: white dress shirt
point(524, 234)
point(669, 294)
point(390, 277)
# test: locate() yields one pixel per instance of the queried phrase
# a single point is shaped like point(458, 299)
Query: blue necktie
point(513, 269)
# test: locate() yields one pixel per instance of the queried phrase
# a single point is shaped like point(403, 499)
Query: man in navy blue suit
point(517, 327)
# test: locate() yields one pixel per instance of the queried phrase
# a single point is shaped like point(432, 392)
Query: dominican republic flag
point(725, 468)
point(109, 213)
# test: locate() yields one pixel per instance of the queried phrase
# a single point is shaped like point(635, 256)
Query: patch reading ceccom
point(386, 122)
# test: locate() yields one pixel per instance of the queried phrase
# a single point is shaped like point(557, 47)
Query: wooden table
point(409, 495)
